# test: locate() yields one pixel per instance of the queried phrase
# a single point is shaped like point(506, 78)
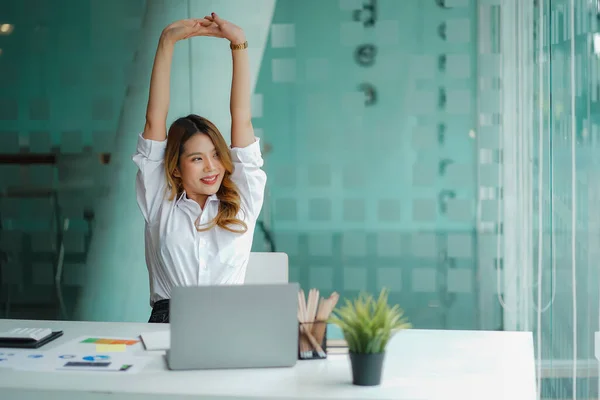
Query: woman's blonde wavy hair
point(229, 197)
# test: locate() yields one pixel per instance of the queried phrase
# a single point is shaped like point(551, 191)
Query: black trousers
point(160, 312)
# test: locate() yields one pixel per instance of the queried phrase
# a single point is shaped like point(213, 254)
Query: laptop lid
point(234, 326)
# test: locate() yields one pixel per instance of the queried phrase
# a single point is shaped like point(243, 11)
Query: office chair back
point(264, 268)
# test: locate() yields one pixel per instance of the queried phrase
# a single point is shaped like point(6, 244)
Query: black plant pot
point(366, 368)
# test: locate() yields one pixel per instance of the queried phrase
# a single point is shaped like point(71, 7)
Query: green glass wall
point(370, 121)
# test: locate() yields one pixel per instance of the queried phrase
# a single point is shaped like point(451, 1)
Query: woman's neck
point(198, 198)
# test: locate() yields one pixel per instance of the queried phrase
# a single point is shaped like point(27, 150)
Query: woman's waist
point(161, 305)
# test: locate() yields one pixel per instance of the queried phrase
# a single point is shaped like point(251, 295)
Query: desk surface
point(420, 364)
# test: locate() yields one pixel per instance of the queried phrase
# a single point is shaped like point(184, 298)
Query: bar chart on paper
point(85, 353)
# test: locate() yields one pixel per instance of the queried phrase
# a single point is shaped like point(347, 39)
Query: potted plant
point(368, 325)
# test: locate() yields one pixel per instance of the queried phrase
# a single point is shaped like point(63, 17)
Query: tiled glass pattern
point(376, 192)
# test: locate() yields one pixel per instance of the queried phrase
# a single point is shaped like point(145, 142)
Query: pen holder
point(312, 340)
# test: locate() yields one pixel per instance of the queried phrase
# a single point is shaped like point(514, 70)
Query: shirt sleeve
point(151, 180)
point(249, 177)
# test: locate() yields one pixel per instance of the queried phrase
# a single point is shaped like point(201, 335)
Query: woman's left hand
point(226, 29)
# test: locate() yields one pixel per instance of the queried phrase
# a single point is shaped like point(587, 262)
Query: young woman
point(200, 199)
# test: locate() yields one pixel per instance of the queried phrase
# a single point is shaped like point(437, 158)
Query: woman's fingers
point(210, 29)
point(187, 28)
point(203, 21)
point(216, 18)
point(215, 31)
point(189, 23)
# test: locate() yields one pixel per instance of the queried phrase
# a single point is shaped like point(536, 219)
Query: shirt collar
point(184, 199)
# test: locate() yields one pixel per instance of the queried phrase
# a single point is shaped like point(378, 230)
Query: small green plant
point(368, 324)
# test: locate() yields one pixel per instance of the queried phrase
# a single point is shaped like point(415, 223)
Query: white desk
point(420, 364)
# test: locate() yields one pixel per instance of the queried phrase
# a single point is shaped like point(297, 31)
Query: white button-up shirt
point(176, 253)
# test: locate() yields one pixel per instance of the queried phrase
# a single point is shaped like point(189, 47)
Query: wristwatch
point(240, 46)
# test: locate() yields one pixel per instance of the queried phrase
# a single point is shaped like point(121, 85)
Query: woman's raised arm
point(242, 131)
point(158, 101)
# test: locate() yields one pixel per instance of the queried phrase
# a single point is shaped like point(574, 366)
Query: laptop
point(233, 326)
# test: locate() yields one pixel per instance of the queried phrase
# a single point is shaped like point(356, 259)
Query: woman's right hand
point(186, 28)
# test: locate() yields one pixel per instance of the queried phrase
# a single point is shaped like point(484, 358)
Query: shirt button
point(202, 264)
point(202, 242)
